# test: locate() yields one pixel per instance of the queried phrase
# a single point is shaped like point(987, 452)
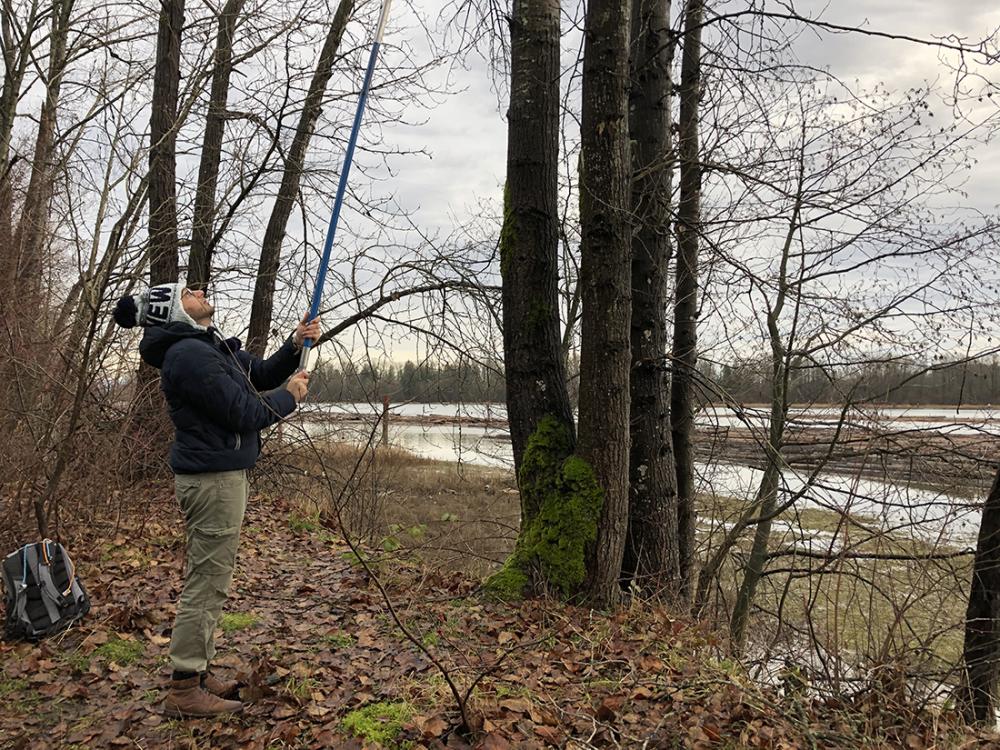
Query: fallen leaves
point(555, 676)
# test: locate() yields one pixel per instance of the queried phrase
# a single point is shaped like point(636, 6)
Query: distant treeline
point(449, 382)
point(947, 383)
point(943, 382)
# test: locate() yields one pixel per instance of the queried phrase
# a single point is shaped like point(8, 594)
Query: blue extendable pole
point(345, 170)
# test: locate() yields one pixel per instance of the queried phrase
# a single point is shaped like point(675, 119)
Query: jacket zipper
point(238, 441)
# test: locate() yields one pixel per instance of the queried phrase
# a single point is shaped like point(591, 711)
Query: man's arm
point(273, 371)
point(196, 374)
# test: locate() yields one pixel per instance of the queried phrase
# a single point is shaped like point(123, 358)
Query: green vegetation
point(76, 660)
point(561, 503)
point(300, 688)
point(303, 524)
point(234, 621)
point(379, 722)
point(9, 686)
point(120, 652)
point(338, 640)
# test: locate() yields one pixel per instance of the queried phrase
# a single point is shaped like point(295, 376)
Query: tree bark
point(163, 266)
point(16, 49)
point(28, 320)
point(274, 235)
point(651, 557)
point(685, 344)
point(981, 653)
point(529, 245)
point(200, 261)
point(605, 355)
point(33, 226)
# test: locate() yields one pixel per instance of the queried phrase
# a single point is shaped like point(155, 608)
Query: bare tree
point(288, 193)
point(203, 223)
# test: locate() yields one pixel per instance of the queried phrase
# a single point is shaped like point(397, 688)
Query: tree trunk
point(538, 407)
point(529, 245)
point(651, 554)
point(685, 348)
point(767, 495)
point(33, 226)
point(274, 235)
point(200, 261)
point(148, 405)
point(981, 653)
point(28, 320)
point(16, 48)
point(605, 354)
point(163, 266)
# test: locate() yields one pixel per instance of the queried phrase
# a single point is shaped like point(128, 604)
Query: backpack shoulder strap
point(20, 593)
point(74, 589)
point(40, 570)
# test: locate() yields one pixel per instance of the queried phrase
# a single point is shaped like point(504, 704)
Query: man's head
point(196, 304)
point(164, 303)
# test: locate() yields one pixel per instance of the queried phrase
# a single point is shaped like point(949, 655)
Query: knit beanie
point(153, 307)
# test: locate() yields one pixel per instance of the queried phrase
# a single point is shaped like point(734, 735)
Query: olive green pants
point(213, 506)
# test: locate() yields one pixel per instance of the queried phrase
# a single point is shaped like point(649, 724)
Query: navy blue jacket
point(212, 392)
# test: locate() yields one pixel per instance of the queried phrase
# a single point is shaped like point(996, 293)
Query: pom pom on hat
point(127, 312)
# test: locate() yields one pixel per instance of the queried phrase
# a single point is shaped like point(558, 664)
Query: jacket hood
point(156, 340)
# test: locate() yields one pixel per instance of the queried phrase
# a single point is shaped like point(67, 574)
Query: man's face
point(195, 305)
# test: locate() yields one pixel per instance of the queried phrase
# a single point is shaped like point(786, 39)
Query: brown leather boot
point(188, 698)
point(221, 688)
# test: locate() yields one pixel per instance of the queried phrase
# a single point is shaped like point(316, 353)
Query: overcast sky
point(466, 135)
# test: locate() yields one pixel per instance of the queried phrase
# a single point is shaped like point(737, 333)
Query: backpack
point(43, 594)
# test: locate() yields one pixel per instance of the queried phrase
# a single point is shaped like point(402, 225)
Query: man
point(219, 400)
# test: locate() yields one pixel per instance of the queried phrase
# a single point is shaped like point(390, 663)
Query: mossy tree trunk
point(605, 276)
point(685, 345)
point(651, 548)
point(560, 500)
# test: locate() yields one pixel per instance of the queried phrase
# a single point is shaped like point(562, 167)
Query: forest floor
point(326, 664)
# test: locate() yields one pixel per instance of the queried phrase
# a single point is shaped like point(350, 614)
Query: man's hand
point(306, 330)
point(298, 386)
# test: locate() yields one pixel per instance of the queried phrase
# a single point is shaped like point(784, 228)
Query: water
point(967, 421)
point(917, 512)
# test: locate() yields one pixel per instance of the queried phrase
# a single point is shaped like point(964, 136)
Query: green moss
point(510, 582)
point(561, 504)
point(233, 621)
point(120, 651)
point(379, 722)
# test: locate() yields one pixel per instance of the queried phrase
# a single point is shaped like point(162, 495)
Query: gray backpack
point(43, 594)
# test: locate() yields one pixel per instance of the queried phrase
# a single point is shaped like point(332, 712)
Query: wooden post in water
point(385, 421)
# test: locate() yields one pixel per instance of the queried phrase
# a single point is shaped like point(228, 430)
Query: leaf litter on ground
point(324, 666)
